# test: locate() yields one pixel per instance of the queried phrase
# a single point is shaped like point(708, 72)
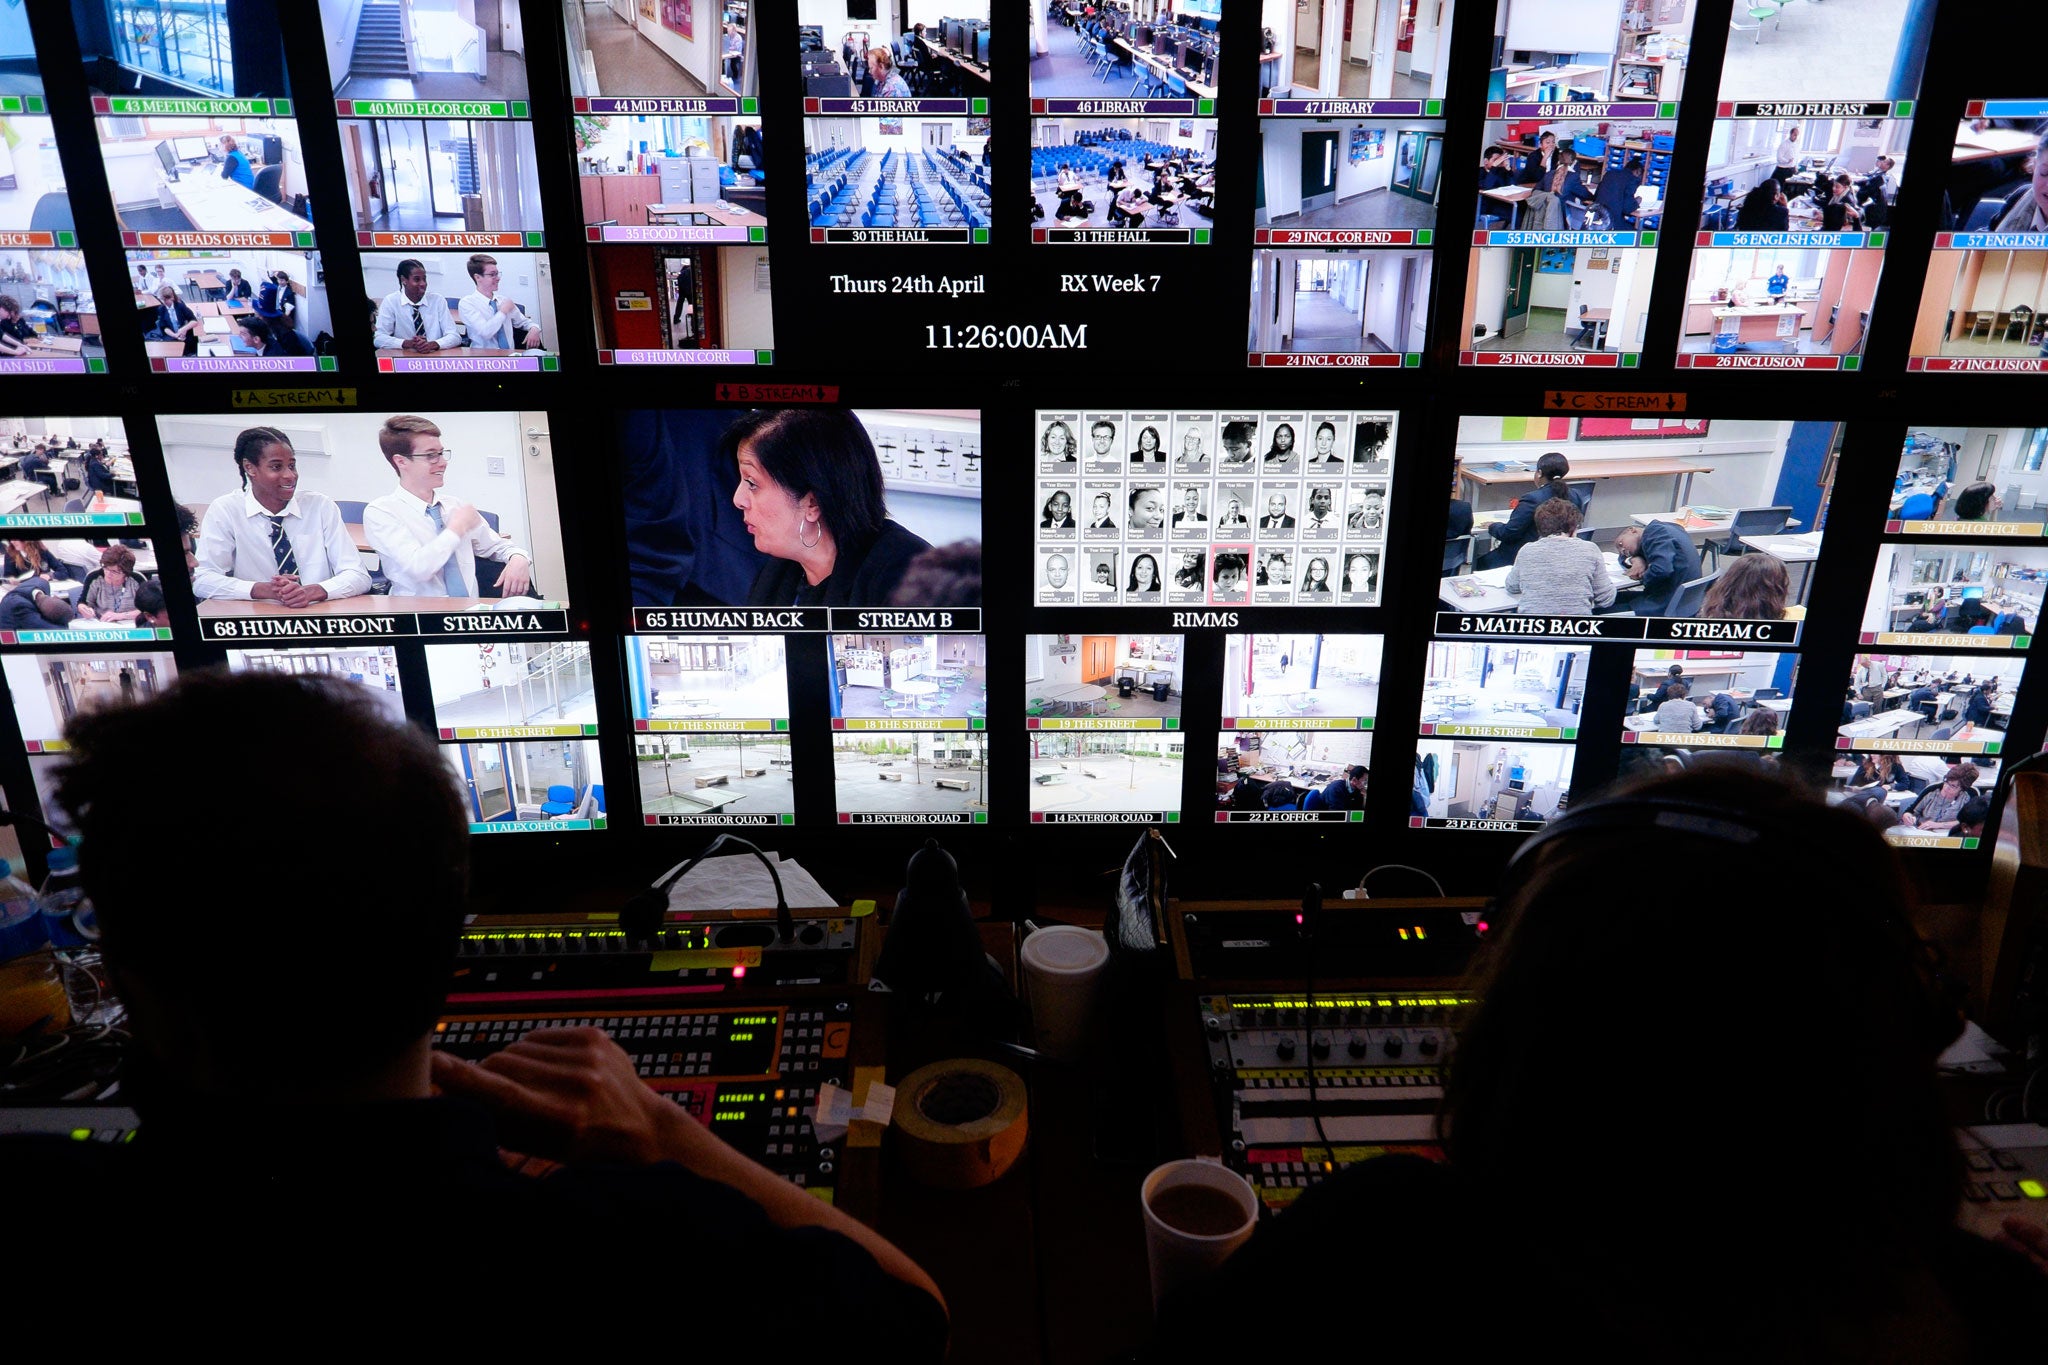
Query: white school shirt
point(394, 320)
point(482, 320)
point(411, 552)
point(235, 554)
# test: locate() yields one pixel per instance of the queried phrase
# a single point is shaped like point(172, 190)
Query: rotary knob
point(1319, 1046)
point(1285, 1047)
point(1356, 1047)
point(1392, 1046)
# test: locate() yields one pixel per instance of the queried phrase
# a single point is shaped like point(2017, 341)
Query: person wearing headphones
point(1512, 1206)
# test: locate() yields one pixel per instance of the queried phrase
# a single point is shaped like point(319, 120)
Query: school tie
point(281, 546)
point(451, 573)
point(419, 324)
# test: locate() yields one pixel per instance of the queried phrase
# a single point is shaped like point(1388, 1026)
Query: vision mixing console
point(720, 1015)
point(1377, 1060)
point(2008, 1173)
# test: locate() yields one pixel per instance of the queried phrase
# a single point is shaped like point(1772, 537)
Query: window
point(185, 42)
point(2033, 452)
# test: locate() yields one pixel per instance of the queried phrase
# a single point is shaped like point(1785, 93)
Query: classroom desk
point(369, 604)
point(1680, 473)
point(1697, 527)
point(1595, 333)
point(216, 205)
point(931, 54)
point(56, 345)
point(206, 279)
point(1698, 672)
point(1164, 69)
point(1534, 76)
point(147, 302)
point(1493, 597)
point(15, 494)
point(706, 215)
point(460, 351)
point(1802, 549)
point(1879, 725)
point(1991, 144)
point(1513, 196)
point(1754, 323)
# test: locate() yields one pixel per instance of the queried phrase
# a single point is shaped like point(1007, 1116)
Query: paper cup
point(1062, 966)
point(1176, 1256)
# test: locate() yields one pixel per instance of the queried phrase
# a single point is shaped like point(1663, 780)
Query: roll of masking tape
point(960, 1124)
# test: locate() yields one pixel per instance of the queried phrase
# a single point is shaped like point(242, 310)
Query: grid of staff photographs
point(1231, 508)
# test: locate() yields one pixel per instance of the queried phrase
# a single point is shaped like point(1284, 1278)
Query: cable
point(1400, 867)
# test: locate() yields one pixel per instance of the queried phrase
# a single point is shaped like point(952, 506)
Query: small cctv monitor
point(190, 148)
point(981, 45)
point(167, 157)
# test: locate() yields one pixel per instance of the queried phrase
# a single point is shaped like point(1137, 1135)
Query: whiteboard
point(1563, 25)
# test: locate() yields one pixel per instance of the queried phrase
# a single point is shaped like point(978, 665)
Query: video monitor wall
point(1187, 508)
point(1805, 167)
point(432, 524)
point(1986, 283)
point(860, 528)
point(1103, 714)
point(1123, 182)
point(1319, 59)
point(1624, 528)
point(711, 740)
point(1582, 106)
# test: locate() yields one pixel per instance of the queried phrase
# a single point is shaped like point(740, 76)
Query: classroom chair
point(1749, 18)
point(1691, 595)
point(1748, 521)
point(561, 801)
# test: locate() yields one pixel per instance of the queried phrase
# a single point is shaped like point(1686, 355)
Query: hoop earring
point(813, 543)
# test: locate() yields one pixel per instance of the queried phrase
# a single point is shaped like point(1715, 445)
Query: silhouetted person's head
point(1705, 1041)
point(336, 847)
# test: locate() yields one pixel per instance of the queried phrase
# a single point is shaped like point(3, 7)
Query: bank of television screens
point(49, 690)
point(41, 261)
point(386, 526)
point(1806, 163)
point(711, 728)
point(1695, 702)
point(1987, 279)
point(1103, 714)
point(1101, 179)
point(740, 537)
point(1662, 529)
point(517, 721)
point(1921, 739)
point(1955, 594)
point(1298, 712)
point(1581, 121)
point(1971, 481)
point(1104, 723)
point(1225, 508)
point(909, 728)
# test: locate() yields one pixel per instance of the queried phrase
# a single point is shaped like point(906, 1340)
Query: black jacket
point(866, 575)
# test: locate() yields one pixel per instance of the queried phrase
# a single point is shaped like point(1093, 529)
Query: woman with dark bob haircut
point(1634, 1160)
point(810, 489)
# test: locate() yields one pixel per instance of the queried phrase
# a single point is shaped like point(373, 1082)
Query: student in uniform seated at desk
point(150, 610)
point(1661, 557)
point(1879, 1271)
point(413, 317)
point(30, 605)
point(1557, 574)
point(1496, 169)
point(175, 321)
point(427, 543)
point(387, 1134)
point(99, 472)
point(1840, 212)
point(1764, 209)
point(1519, 529)
point(237, 287)
point(1753, 587)
point(490, 320)
point(1977, 710)
point(234, 165)
point(22, 558)
point(1616, 194)
point(271, 541)
point(276, 299)
point(17, 333)
point(810, 490)
point(268, 338)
